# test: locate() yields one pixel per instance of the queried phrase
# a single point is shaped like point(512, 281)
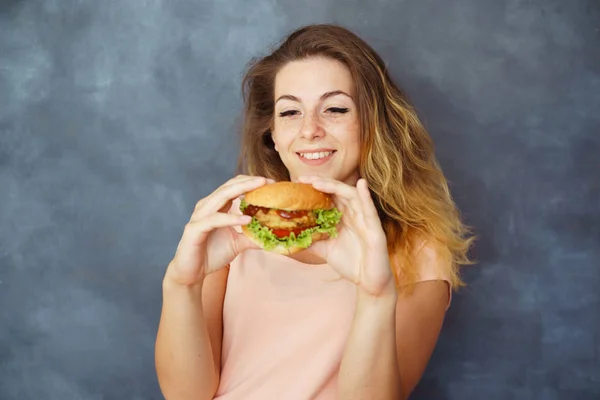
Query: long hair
point(397, 154)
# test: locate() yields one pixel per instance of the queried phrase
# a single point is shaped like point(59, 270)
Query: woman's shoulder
point(422, 260)
point(431, 262)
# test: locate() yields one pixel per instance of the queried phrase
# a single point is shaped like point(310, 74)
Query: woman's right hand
point(209, 241)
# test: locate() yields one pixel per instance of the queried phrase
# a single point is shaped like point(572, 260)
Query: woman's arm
point(391, 341)
point(188, 343)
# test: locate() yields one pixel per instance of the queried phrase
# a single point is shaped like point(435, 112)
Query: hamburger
point(288, 217)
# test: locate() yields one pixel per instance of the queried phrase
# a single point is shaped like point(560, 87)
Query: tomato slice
point(282, 233)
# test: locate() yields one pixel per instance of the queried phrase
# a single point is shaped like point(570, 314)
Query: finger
point(194, 232)
point(319, 248)
point(229, 182)
point(233, 181)
point(240, 178)
point(237, 181)
point(344, 195)
point(306, 178)
point(345, 198)
point(228, 206)
point(364, 194)
point(243, 242)
point(331, 186)
point(243, 178)
point(371, 216)
point(220, 200)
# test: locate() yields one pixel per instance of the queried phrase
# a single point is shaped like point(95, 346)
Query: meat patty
point(273, 219)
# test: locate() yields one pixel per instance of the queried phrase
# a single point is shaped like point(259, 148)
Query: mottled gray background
point(117, 116)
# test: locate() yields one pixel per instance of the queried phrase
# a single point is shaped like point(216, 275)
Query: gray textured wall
point(117, 116)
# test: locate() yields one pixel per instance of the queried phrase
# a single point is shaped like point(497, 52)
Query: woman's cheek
point(288, 130)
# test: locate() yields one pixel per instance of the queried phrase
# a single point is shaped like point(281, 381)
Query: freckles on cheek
point(289, 125)
point(284, 131)
point(343, 131)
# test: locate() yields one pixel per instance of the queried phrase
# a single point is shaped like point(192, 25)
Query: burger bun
point(291, 196)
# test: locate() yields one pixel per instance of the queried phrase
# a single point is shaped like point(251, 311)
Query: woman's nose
point(311, 128)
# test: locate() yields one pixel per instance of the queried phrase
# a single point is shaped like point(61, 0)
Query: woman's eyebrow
point(324, 96)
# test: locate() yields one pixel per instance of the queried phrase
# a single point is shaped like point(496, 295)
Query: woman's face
point(316, 125)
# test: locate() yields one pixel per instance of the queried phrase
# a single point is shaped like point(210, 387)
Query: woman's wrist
point(387, 293)
point(382, 298)
point(173, 280)
point(376, 304)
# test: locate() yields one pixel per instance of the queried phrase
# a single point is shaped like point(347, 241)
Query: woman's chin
point(312, 173)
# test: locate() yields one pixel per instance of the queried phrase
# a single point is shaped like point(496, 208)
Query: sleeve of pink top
point(431, 269)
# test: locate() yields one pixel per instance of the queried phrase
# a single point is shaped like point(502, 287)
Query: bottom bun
point(280, 249)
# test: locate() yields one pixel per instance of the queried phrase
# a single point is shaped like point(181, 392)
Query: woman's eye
point(288, 113)
point(337, 110)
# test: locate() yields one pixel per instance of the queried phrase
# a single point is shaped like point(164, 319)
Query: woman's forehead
point(312, 78)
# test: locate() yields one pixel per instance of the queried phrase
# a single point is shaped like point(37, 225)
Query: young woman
point(353, 317)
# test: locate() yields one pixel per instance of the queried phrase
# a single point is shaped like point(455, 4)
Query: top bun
point(290, 196)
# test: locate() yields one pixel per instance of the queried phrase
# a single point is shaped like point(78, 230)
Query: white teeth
point(316, 156)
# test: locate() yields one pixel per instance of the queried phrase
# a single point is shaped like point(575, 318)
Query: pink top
point(285, 328)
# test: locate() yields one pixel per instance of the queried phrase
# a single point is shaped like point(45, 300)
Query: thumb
point(243, 242)
point(319, 248)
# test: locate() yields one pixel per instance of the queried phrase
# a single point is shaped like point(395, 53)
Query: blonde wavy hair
point(398, 161)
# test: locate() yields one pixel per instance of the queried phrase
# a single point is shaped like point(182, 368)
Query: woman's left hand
point(359, 252)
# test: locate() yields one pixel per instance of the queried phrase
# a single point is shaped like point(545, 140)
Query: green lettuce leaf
point(326, 223)
point(243, 205)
